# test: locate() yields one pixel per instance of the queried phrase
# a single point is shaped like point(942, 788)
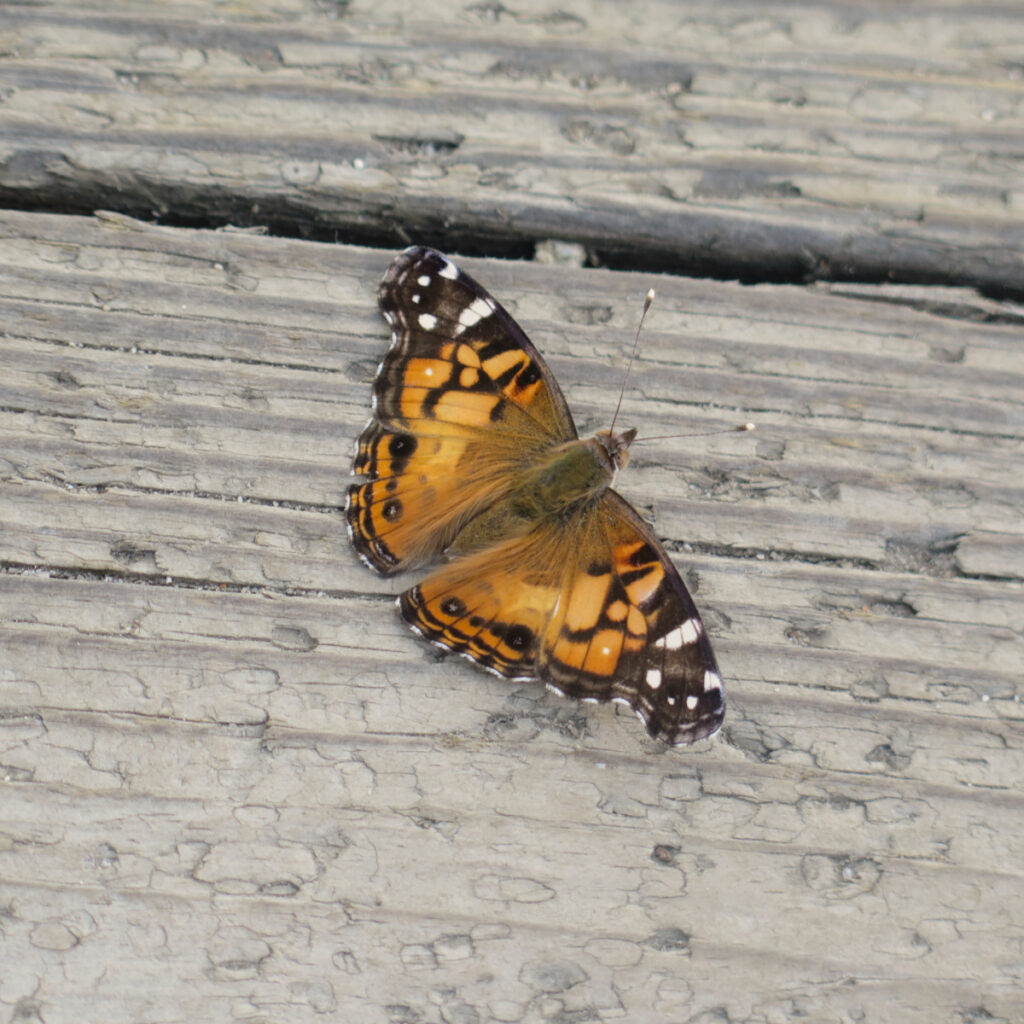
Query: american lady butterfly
point(550, 574)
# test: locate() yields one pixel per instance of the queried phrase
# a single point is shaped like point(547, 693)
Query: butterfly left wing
point(592, 605)
point(462, 402)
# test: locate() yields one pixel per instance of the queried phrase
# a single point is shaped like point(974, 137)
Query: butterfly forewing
point(462, 401)
point(482, 368)
point(582, 596)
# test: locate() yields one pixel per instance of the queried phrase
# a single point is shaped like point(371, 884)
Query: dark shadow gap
point(694, 244)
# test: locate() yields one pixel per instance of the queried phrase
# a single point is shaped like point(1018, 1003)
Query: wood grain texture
point(781, 141)
point(236, 786)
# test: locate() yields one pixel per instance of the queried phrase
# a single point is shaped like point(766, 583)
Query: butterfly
point(472, 456)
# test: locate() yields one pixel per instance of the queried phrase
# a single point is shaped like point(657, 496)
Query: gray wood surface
point(235, 787)
point(771, 141)
point(238, 787)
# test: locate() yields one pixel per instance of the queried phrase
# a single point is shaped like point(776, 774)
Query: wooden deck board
point(779, 141)
point(237, 786)
point(234, 786)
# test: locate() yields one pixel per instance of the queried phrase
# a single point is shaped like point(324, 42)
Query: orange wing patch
point(626, 629)
point(491, 606)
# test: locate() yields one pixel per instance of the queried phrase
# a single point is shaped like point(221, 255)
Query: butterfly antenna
point(632, 355)
point(700, 433)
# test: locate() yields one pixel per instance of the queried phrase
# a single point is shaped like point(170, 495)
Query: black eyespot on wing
point(401, 446)
point(519, 637)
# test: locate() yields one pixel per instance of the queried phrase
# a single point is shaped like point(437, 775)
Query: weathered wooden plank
point(309, 656)
point(207, 920)
point(766, 141)
point(237, 786)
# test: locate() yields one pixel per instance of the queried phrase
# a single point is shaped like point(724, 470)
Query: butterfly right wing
point(592, 605)
point(462, 402)
point(626, 629)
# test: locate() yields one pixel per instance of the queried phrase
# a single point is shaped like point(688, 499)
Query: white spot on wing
point(712, 681)
point(687, 633)
point(476, 311)
point(692, 701)
point(423, 280)
point(449, 270)
point(427, 321)
point(654, 678)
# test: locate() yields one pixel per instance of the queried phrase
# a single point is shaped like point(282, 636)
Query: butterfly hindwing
point(492, 606)
point(627, 629)
point(398, 517)
point(593, 606)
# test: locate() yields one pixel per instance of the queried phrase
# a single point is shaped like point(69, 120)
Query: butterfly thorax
point(557, 484)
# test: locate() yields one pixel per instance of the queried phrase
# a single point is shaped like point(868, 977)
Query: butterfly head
point(616, 447)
